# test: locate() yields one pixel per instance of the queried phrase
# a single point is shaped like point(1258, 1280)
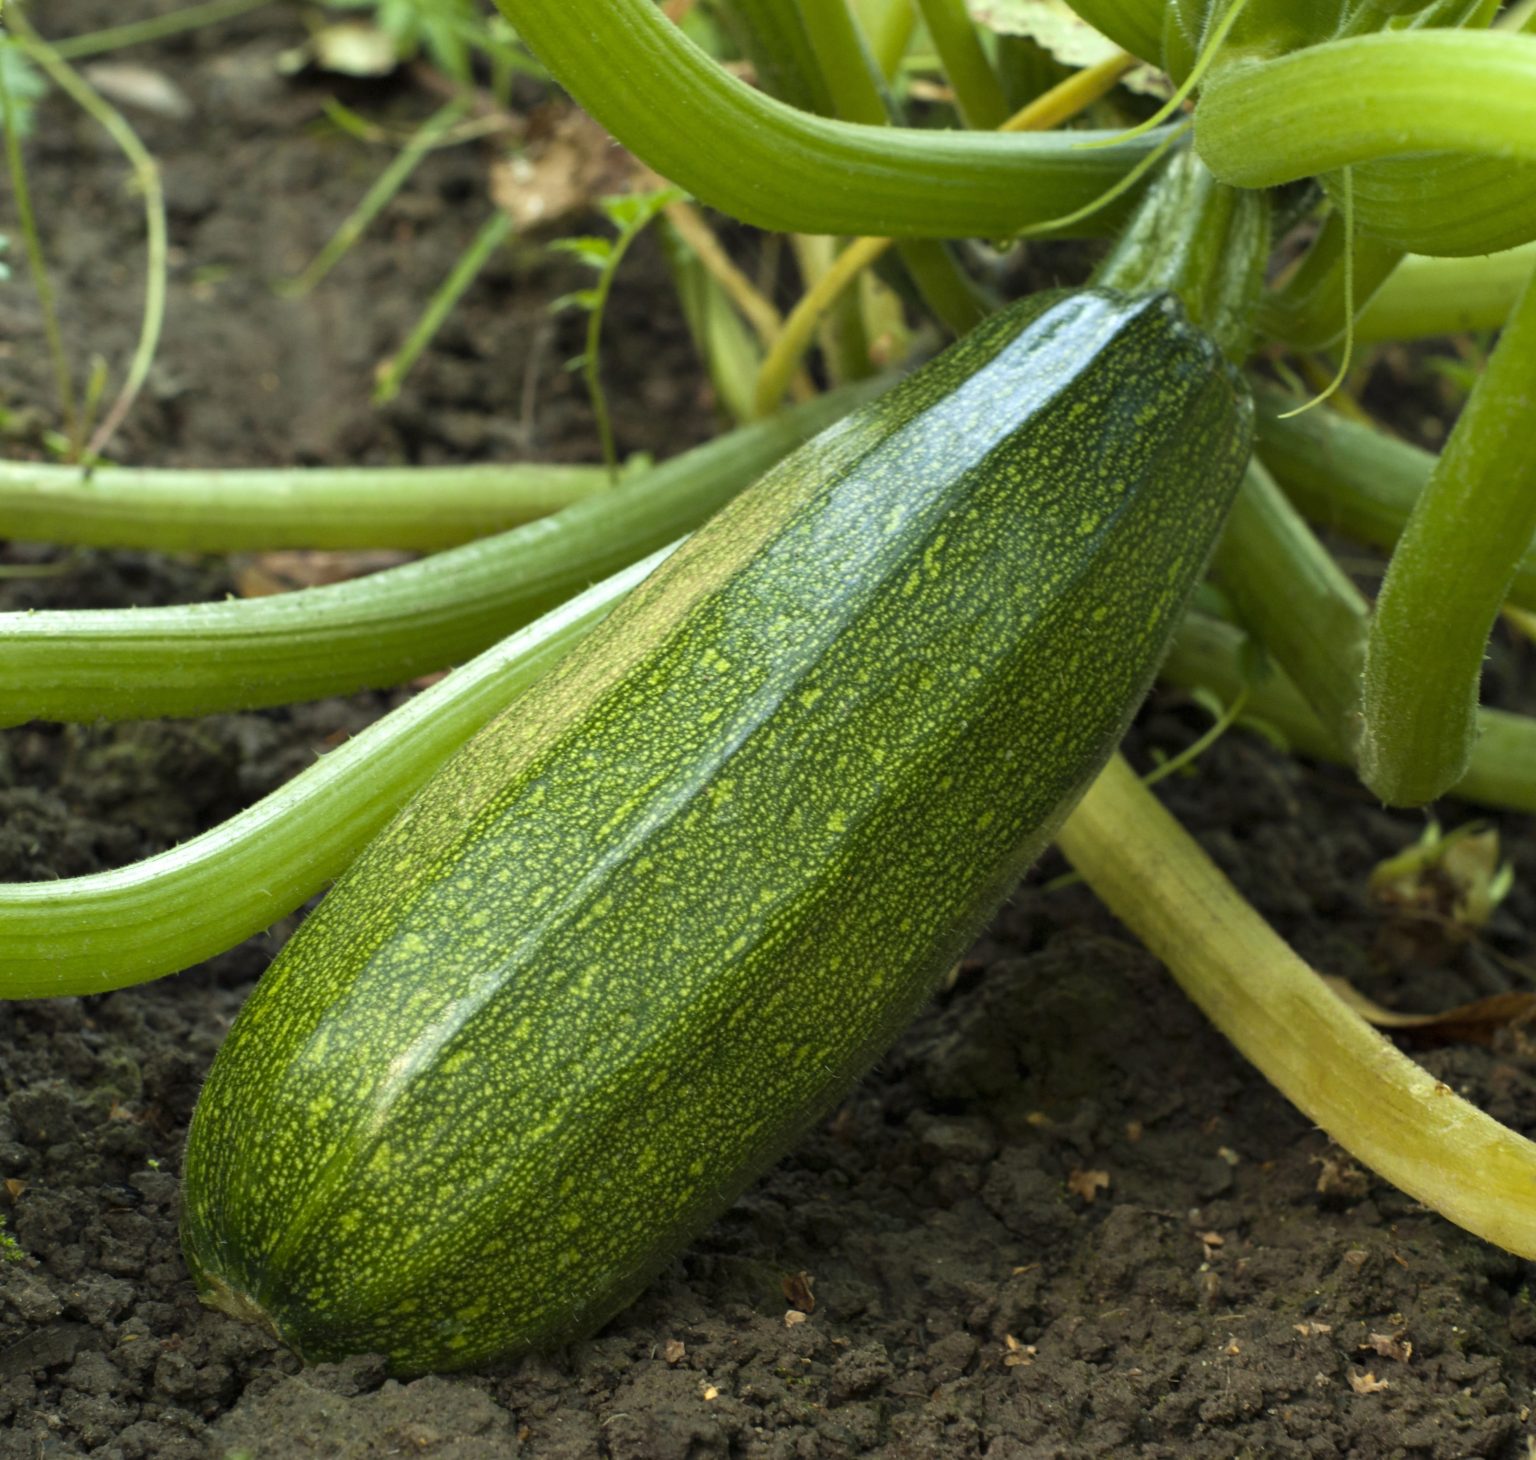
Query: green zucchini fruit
point(661, 913)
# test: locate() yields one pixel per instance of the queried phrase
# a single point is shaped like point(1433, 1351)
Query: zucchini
point(662, 912)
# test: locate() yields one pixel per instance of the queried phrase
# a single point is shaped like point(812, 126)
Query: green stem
point(1353, 479)
point(1450, 572)
point(845, 62)
point(86, 935)
point(772, 36)
point(842, 338)
point(768, 164)
point(37, 267)
point(1210, 655)
point(1309, 311)
point(1295, 599)
point(491, 235)
point(379, 630)
point(385, 186)
point(419, 508)
point(147, 175)
point(1429, 296)
point(890, 30)
point(1342, 1074)
point(140, 32)
point(1261, 123)
point(848, 68)
point(592, 356)
point(729, 349)
point(1205, 242)
point(1134, 25)
point(978, 94)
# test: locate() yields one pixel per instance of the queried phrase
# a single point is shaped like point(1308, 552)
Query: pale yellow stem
point(1064, 101)
point(1372, 1099)
point(795, 338)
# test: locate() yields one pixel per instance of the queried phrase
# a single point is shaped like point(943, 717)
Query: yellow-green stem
point(1369, 1097)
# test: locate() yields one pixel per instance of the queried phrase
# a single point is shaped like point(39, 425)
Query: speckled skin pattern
point(666, 909)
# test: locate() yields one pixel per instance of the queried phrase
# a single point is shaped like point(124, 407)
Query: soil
point(1061, 1219)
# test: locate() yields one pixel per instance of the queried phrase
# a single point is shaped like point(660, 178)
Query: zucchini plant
point(681, 889)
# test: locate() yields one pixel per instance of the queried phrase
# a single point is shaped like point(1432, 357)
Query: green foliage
point(629, 213)
point(450, 32)
point(10, 1249)
point(20, 85)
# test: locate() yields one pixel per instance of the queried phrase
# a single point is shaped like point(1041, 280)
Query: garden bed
point(1061, 1219)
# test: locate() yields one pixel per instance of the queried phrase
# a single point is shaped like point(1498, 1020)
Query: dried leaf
point(798, 1288)
point(1366, 1383)
point(1392, 1346)
point(1338, 1176)
point(141, 88)
point(1087, 1184)
point(1313, 1330)
point(353, 48)
point(567, 164)
point(264, 574)
point(1473, 1023)
point(1019, 1355)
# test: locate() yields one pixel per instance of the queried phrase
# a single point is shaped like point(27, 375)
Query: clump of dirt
point(1061, 1219)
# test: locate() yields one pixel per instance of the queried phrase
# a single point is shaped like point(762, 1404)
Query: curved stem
point(1353, 478)
point(978, 94)
point(1433, 296)
point(378, 630)
point(1297, 601)
point(1260, 123)
point(782, 169)
point(800, 328)
point(1208, 654)
point(1450, 572)
point(771, 34)
point(189, 510)
point(1201, 240)
point(85, 935)
point(845, 61)
point(1308, 311)
point(1322, 1056)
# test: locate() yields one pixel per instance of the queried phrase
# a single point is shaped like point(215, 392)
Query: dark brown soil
point(1233, 1288)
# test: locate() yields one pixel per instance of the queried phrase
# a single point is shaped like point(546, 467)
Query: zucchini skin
point(660, 914)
